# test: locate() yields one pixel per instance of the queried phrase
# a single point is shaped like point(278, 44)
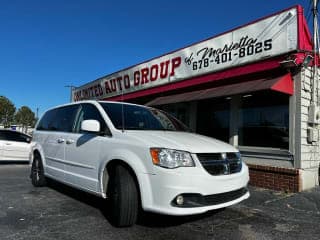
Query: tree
point(25, 117)
point(7, 110)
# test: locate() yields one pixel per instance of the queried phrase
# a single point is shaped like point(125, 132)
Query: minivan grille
point(220, 163)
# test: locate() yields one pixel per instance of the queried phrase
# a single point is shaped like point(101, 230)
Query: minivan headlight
point(170, 158)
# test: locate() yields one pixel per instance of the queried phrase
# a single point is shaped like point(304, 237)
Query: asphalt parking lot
point(59, 212)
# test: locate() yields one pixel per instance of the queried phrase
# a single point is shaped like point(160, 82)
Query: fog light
point(179, 200)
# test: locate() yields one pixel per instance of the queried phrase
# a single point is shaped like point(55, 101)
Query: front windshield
point(135, 117)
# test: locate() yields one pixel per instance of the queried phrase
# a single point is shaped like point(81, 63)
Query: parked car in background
point(14, 145)
point(136, 156)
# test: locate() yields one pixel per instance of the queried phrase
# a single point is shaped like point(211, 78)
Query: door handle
point(60, 140)
point(8, 143)
point(69, 141)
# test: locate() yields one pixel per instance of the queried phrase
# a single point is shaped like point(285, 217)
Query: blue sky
point(46, 45)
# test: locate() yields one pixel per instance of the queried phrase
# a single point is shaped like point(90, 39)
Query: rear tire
point(123, 194)
point(38, 178)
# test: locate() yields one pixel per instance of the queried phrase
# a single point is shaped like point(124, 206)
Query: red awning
point(282, 84)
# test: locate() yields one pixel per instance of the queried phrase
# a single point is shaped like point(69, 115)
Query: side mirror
point(90, 126)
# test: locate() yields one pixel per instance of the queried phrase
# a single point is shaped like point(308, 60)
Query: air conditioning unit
point(314, 114)
point(312, 135)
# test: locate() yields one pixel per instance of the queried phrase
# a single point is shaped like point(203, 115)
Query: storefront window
point(213, 118)
point(262, 118)
point(265, 120)
point(179, 111)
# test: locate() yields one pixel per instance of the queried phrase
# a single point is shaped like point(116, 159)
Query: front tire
point(38, 178)
point(123, 193)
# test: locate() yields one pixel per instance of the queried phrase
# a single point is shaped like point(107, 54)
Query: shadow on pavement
point(154, 220)
point(146, 219)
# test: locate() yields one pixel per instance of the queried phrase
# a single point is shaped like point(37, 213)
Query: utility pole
point(71, 87)
point(315, 51)
point(314, 108)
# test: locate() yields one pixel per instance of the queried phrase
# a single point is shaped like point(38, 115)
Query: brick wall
point(275, 178)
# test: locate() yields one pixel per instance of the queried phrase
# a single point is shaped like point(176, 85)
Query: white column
point(235, 120)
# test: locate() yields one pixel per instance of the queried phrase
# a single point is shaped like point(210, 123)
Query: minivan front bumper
point(197, 200)
point(198, 190)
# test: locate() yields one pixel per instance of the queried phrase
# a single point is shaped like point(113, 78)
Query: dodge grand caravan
point(136, 156)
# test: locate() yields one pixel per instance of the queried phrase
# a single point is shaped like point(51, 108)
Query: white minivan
point(136, 156)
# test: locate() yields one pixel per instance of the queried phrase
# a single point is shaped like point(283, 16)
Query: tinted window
point(60, 119)
point(2, 137)
point(89, 112)
point(14, 136)
point(46, 119)
point(141, 118)
point(64, 120)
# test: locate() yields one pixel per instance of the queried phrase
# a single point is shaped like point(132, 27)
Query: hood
point(185, 141)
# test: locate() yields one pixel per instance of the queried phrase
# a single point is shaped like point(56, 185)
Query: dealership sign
point(267, 38)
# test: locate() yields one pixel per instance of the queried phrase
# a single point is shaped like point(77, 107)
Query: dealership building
point(255, 87)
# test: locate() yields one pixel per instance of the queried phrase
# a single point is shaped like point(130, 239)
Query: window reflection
point(265, 120)
point(213, 118)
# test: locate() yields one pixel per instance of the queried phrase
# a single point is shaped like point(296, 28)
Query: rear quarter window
point(59, 119)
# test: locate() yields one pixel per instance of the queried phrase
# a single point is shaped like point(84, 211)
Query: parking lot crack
point(278, 199)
